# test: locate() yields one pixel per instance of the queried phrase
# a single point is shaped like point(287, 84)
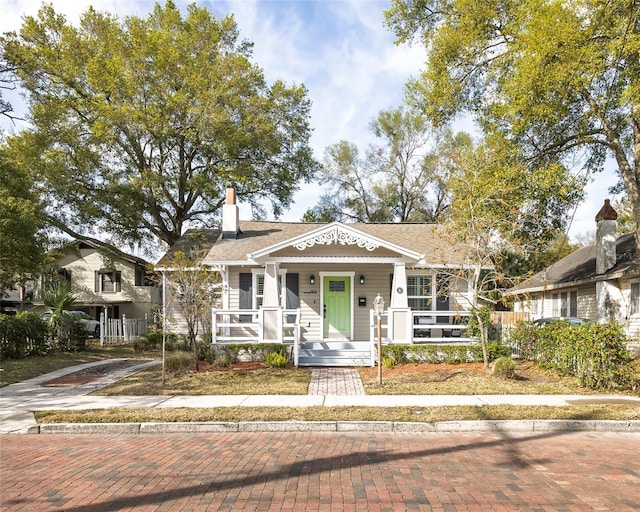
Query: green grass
point(262, 380)
point(412, 414)
point(256, 378)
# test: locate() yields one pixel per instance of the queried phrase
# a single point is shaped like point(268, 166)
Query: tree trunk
point(483, 339)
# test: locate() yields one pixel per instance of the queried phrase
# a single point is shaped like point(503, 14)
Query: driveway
point(552, 471)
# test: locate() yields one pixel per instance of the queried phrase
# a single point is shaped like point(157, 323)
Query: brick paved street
point(321, 471)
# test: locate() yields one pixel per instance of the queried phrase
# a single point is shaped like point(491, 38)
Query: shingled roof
point(428, 240)
point(579, 267)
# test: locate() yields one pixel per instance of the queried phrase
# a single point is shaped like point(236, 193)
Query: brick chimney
point(230, 215)
point(606, 238)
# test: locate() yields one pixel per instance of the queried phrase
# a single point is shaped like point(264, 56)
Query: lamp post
point(378, 308)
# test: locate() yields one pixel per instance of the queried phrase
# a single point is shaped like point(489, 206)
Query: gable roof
point(426, 244)
point(92, 243)
point(579, 267)
point(337, 233)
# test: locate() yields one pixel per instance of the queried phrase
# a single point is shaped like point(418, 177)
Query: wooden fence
point(505, 321)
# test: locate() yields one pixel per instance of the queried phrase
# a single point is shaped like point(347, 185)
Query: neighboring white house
point(317, 282)
point(113, 283)
point(600, 282)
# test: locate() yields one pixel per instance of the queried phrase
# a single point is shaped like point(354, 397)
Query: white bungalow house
point(313, 285)
point(599, 282)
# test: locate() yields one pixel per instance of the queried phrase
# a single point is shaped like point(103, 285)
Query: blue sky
point(339, 49)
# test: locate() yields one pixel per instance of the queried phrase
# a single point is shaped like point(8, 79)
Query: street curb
point(338, 426)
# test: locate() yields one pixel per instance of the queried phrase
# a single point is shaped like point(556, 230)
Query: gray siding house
point(600, 282)
point(313, 284)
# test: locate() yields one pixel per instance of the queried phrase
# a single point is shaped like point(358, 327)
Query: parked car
point(573, 320)
point(92, 326)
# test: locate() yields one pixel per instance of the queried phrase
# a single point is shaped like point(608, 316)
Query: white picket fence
point(115, 331)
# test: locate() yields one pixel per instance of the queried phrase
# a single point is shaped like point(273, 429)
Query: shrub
point(153, 338)
point(141, 344)
point(450, 354)
point(223, 359)
point(71, 336)
point(505, 368)
point(227, 354)
point(388, 362)
point(596, 354)
point(23, 335)
point(178, 362)
point(277, 360)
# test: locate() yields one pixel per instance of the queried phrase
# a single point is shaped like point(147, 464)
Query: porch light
point(361, 279)
point(312, 279)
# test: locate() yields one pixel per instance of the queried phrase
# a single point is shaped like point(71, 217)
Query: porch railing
point(440, 327)
point(246, 326)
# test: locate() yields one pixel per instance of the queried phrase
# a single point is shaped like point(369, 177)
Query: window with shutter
point(292, 294)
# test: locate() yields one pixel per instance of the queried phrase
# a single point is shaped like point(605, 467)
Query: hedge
point(450, 354)
point(25, 334)
point(596, 354)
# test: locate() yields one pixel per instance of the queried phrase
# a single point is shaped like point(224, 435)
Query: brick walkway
point(321, 472)
point(335, 381)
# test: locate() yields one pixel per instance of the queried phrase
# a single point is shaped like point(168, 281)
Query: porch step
point(335, 353)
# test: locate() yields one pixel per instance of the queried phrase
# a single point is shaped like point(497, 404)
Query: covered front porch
point(275, 325)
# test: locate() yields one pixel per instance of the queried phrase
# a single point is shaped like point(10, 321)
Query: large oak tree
point(139, 124)
point(559, 78)
point(22, 240)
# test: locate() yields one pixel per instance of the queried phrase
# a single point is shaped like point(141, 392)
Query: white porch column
point(399, 289)
point(399, 327)
point(271, 312)
point(271, 292)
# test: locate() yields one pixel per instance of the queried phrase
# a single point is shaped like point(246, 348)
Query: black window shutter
point(390, 286)
point(118, 280)
point(442, 298)
point(96, 286)
point(246, 294)
point(292, 296)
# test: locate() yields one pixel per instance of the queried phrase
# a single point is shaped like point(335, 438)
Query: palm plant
point(59, 298)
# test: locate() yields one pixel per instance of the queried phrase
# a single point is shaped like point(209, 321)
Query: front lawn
point(466, 379)
point(624, 412)
point(238, 379)
point(18, 370)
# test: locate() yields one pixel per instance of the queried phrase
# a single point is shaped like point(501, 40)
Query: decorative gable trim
point(338, 235)
point(335, 233)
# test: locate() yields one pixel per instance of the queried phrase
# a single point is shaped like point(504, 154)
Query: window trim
point(567, 296)
point(634, 305)
point(116, 279)
point(429, 298)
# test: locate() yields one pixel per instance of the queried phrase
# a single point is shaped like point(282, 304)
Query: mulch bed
point(93, 373)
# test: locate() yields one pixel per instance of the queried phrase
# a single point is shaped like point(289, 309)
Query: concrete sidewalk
point(19, 401)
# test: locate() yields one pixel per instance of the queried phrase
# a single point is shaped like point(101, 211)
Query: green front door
point(337, 307)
